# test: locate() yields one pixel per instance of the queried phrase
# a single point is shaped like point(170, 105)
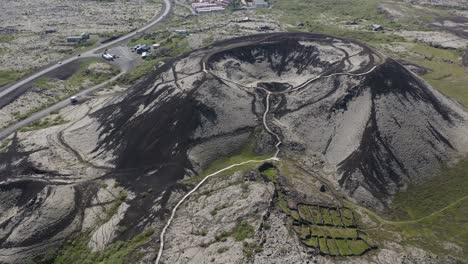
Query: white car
point(74, 100)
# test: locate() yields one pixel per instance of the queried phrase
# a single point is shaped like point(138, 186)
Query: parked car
point(74, 100)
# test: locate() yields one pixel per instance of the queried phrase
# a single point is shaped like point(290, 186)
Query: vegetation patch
point(420, 200)
point(88, 75)
point(77, 251)
point(44, 123)
point(242, 231)
point(9, 76)
point(251, 249)
point(243, 154)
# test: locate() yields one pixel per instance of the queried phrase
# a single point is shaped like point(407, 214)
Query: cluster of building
point(207, 6)
point(210, 6)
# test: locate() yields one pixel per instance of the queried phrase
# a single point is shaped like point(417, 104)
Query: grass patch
point(327, 220)
point(311, 242)
point(434, 194)
point(94, 77)
point(77, 251)
point(242, 231)
point(310, 214)
point(347, 216)
point(44, 123)
point(4, 145)
point(9, 76)
point(241, 155)
point(358, 247)
point(335, 215)
point(6, 38)
point(43, 83)
point(302, 231)
point(270, 174)
point(283, 205)
point(324, 231)
point(323, 245)
point(445, 74)
point(343, 247)
point(139, 72)
point(442, 195)
point(251, 249)
point(332, 248)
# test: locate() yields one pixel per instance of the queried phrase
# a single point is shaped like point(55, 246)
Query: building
point(50, 31)
point(84, 36)
point(206, 7)
point(202, 5)
point(213, 9)
point(74, 39)
point(181, 32)
point(264, 27)
point(376, 27)
point(260, 4)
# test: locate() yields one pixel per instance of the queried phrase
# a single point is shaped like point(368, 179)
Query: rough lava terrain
point(360, 119)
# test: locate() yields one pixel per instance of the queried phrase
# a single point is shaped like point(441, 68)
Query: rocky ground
point(457, 3)
point(127, 157)
point(37, 31)
point(111, 169)
point(54, 87)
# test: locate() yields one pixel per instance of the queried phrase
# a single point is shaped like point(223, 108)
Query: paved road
point(167, 7)
point(38, 115)
point(43, 113)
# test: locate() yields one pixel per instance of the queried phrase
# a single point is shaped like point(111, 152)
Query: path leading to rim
point(267, 128)
point(274, 158)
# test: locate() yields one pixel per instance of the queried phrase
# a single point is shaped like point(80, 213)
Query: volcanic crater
point(362, 120)
point(372, 124)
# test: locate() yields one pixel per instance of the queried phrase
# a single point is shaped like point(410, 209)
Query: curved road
point(38, 115)
point(167, 7)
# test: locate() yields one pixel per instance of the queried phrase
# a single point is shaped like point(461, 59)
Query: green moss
point(358, 247)
point(270, 174)
point(343, 247)
point(332, 248)
point(242, 231)
point(347, 216)
point(79, 78)
point(327, 220)
point(240, 155)
point(10, 76)
point(44, 123)
point(434, 194)
point(445, 73)
point(335, 215)
point(302, 231)
point(323, 245)
point(251, 249)
point(139, 72)
point(77, 251)
point(6, 38)
point(311, 242)
point(4, 145)
point(326, 231)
